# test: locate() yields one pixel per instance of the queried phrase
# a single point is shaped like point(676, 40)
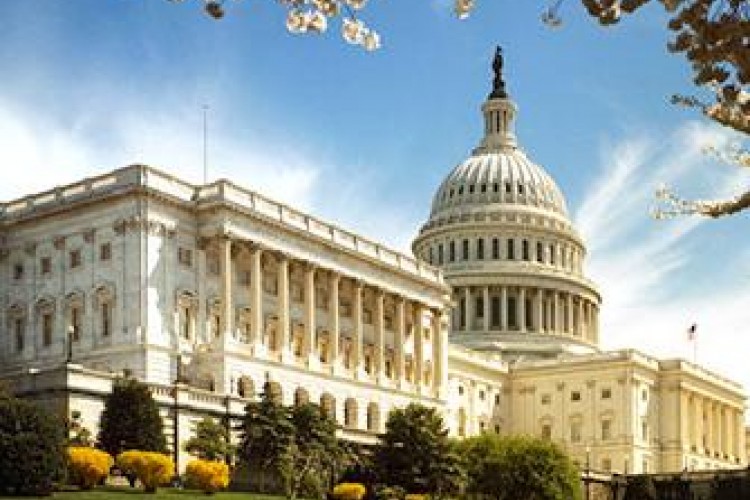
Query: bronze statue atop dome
point(498, 84)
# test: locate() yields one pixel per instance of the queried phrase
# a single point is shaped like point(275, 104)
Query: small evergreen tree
point(416, 454)
point(313, 452)
point(211, 441)
point(31, 448)
point(267, 435)
point(131, 420)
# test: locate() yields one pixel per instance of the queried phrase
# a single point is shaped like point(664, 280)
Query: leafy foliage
point(131, 420)
point(87, 467)
point(78, 435)
point(31, 447)
point(314, 448)
point(506, 468)
point(416, 454)
point(208, 476)
point(211, 441)
point(152, 469)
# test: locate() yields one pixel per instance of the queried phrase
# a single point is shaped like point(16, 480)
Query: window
point(484, 188)
point(452, 251)
point(525, 249)
point(575, 396)
point(214, 266)
point(440, 253)
point(430, 257)
point(644, 395)
point(18, 271)
point(47, 329)
point(75, 258)
point(496, 187)
point(45, 264)
point(511, 250)
point(75, 323)
point(460, 390)
point(244, 277)
point(539, 252)
point(465, 250)
point(552, 255)
point(575, 432)
point(479, 309)
point(607, 393)
point(512, 318)
point(106, 319)
point(185, 256)
point(105, 251)
point(606, 429)
point(644, 430)
point(481, 395)
point(495, 311)
point(495, 248)
point(18, 328)
point(546, 399)
point(480, 249)
point(546, 431)
point(497, 399)
point(471, 188)
point(185, 317)
point(497, 427)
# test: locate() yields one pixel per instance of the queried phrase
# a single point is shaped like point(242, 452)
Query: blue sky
point(364, 139)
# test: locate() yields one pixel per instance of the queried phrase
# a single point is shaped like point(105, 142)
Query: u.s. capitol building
point(207, 292)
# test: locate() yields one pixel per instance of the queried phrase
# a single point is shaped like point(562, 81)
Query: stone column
point(580, 326)
point(437, 352)
point(333, 322)
point(569, 314)
point(708, 408)
point(504, 308)
point(226, 289)
point(684, 412)
point(418, 346)
point(486, 305)
point(539, 327)
point(199, 333)
point(283, 308)
point(380, 336)
point(309, 348)
point(400, 335)
point(556, 316)
point(728, 432)
point(357, 319)
point(521, 309)
point(468, 310)
point(256, 295)
point(698, 424)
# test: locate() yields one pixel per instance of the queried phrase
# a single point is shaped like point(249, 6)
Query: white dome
point(504, 176)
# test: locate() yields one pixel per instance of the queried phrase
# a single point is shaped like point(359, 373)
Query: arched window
point(246, 387)
point(301, 396)
point(45, 309)
point(103, 307)
point(373, 417)
point(350, 413)
point(74, 315)
point(275, 392)
point(328, 405)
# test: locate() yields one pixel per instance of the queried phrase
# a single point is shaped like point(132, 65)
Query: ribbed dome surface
point(503, 176)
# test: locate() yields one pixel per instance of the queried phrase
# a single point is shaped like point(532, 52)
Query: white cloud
point(640, 264)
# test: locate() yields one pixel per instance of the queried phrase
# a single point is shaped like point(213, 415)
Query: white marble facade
point(206, 292)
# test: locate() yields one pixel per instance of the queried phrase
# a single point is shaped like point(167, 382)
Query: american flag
point(691, 332)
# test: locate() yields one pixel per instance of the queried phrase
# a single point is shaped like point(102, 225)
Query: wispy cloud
point(642, 265)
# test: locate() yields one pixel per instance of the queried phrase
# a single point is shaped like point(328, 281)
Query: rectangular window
point(495, 248)
point(479, 304)
point(480, 249)
point(512, 318)
point(552, 255)
point(546, 431)
point(106, 319)
point(465, 252)
point(45, 264)
point(511, 250)
point(105, 251)
point(525, 249)
point(440, 254)
point(47, 329)
point(607, 393)
point(244, 277)
point(18, 327)
point(539, 252)
point(452, 251)
point(575, 396)
point(75, 324)
point(644, 430)
point(18, 271)
point(575, 432)
point(606, 430)
point(185, 256)
point(75, 258)
point(546, 399)
point(186, 322)
point(495, 311)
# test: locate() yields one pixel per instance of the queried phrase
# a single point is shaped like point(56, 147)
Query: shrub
point(31, 448)
point(208, 476)
point(87, 466)
point(152, 469)
point(349, 491)
point(390, 493)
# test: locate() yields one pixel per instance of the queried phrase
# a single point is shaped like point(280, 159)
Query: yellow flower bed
point(349, 491)
point(415, 496)
point(208, 476)
point(152, 469)
point(88, 466)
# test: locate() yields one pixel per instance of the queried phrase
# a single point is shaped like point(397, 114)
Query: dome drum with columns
point(499, 229)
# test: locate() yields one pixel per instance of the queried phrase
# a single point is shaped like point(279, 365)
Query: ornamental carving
point(59, 242)
point(148, 226)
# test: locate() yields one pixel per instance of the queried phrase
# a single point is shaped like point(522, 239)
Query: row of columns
point(283, 313)
point(712, 427)
point(553, 311)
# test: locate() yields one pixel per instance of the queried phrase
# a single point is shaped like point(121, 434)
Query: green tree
point(31, 448)
point(131, 420)
point(506, 468)
point(416, 454)
point(78, 434)
point(313, 452)
point(267, 435)
point(211, 441)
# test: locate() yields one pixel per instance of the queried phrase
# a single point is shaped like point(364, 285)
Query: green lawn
point(126, 493)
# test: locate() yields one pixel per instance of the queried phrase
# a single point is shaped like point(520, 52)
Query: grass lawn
point(125, 493)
